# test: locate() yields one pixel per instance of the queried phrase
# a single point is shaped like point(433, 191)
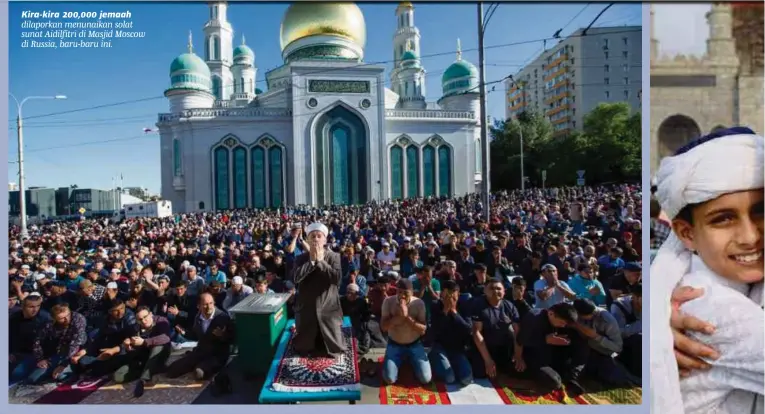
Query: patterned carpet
point(513, 391)
point(182, 390)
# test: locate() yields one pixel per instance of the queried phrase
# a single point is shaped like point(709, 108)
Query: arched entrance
point(674, 132)
point(341, 148)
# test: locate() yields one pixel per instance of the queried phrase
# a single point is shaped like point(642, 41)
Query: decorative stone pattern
point(230, 113)
point(337, 86)
point(312, 103)
point(322, 52)
point(366, 103)
point(401, 113)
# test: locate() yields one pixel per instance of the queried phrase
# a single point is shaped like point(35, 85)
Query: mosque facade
point(692, 96)
point(325, 129)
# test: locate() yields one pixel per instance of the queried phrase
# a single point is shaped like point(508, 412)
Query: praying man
point(318, 313)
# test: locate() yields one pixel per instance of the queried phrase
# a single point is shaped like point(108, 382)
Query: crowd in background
point(94, 298)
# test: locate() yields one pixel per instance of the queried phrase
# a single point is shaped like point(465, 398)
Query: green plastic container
point(260, 321)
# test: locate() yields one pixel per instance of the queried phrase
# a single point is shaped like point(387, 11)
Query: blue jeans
point(40, 375)
point(450, 366)
point(395, 355)
point(21, 369)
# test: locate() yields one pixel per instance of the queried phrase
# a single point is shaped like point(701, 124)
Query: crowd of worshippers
point(549, 286)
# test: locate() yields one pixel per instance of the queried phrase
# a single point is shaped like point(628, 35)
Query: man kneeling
point(403, 318)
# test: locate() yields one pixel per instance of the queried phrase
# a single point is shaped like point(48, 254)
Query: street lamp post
point(484, 120)
point(20, 139)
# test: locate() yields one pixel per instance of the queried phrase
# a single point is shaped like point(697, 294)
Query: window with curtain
point(396, 172)
point(429, 170)
point(275, 170)
point(240, 177)
point(258, 155)
point(412, 172)
point(444, 170)
point(221, 179)
point(177, 158)
point(340, 163)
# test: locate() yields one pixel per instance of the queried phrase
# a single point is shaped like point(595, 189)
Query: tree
point(607, 149)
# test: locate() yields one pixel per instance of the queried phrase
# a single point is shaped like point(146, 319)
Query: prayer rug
point(310, 374)
point(176, 391)
point(72, 393)
point(408, 391)
point(522, 392)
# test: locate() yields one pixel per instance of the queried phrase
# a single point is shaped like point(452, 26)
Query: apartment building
point(568, 80)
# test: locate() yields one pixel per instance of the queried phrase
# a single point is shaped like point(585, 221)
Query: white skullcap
point(352, 287)
point(112, 285)
point(724, 162)
point(317, 227)
point(237, 280)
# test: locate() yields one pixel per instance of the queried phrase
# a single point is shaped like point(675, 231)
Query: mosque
point(692, 96)
point(325, 129)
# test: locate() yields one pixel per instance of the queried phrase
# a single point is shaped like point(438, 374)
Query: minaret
point(243, 72)
point(409, 80)
point(219, 40)
point(406, 33)
point(721, 46)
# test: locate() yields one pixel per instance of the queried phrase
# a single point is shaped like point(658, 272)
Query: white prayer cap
point(317, 227)
point(710, 167)
point(352, 287)
point(237, 280)
point(112, 285)
point(724, 162)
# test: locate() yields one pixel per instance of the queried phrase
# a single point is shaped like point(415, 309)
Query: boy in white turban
point(712, 190)
point(318, 314)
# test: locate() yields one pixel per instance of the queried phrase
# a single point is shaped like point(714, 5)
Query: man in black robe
point(318, 314)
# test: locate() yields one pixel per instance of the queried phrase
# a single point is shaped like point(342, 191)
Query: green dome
point(190, 62)
point(243, 50)
point(459, 69)
point(258, 91)
point(408, 55)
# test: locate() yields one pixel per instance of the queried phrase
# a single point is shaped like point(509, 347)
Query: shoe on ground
point(139, 389)
point(574, 388)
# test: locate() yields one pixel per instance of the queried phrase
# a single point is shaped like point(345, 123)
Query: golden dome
point(305, 19)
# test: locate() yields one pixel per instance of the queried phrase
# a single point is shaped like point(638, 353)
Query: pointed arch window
point(444, 171)
point(240, 177)
point(215, 48)
point(267, 173)
point(222, 188)
point(217, 88)
point(258, 169)
point(397, 172)
point(177, 166)
point(242, 88)
point(412, 172)
point(208, 42)
point(429, 170)
point(276, 176)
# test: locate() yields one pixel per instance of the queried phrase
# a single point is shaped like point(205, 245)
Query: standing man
point(318, 314)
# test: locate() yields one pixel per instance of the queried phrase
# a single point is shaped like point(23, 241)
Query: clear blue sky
point(89, 147)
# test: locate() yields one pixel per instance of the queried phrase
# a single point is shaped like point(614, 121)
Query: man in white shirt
point(386, 257)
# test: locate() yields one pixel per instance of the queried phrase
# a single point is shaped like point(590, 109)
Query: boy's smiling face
point(727, 233)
